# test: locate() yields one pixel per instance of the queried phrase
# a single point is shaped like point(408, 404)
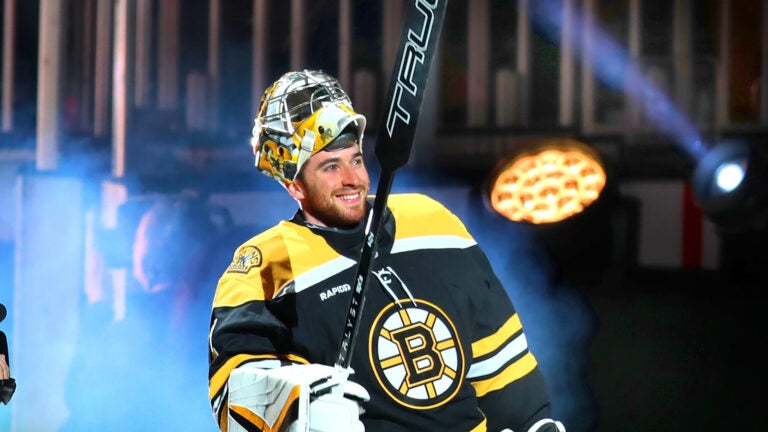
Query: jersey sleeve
point(510, 387)
point(244, 329)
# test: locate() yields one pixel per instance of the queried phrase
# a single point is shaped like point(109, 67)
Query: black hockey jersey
point(440, 346)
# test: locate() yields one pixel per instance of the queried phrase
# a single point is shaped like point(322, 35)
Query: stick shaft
point(393, 144)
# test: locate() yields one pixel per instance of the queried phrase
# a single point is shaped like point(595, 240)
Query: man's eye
point(330, 167)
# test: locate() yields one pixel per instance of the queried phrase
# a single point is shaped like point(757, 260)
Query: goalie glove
point(544, 425)
point(299, 398)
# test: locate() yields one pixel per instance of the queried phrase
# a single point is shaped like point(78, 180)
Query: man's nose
point(350, 175)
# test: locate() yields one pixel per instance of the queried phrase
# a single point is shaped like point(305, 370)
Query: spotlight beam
point(613, 66)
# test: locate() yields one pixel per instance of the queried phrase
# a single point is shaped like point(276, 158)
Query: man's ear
point(296, 190)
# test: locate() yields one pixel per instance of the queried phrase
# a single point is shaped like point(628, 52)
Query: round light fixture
point(547, 182)
point(729, 185)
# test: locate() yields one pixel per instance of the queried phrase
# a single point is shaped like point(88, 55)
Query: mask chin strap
point(305, 151)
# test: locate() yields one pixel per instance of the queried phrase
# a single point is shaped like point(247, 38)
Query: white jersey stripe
point(338, 265)
point(493, 364)
point(432, 242)
point(321, 273)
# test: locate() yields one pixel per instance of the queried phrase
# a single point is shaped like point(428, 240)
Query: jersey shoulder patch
point(246, 258)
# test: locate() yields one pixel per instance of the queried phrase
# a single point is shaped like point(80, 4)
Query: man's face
point(332, 188)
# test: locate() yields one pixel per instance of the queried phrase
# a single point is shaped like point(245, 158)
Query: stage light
point(730, 186)
point(729, 176)
point(546, 181)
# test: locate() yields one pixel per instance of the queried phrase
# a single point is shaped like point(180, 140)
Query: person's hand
point(338, 410)
point(7, 384)
point(5, 370)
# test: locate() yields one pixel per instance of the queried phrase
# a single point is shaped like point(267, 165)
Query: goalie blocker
point(296, 398)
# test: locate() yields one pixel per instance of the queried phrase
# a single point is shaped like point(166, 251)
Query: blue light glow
point(614, 68)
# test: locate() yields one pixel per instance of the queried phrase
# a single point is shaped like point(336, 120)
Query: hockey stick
point(421, 33)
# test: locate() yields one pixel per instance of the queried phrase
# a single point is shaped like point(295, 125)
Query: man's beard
point(332, 213)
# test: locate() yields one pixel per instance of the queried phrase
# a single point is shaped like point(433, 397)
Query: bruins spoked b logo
point(416, 354)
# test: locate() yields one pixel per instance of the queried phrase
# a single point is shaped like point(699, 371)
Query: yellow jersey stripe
point(482, 427)
point(491, 343)
point(236, 295)
point(514, 372)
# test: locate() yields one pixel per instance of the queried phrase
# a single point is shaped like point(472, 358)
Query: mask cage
point(298, 100)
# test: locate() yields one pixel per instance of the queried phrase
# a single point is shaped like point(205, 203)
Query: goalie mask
point(300, 114)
